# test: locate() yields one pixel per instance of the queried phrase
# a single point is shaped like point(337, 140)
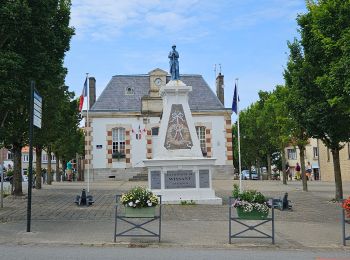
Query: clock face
point(158, 81)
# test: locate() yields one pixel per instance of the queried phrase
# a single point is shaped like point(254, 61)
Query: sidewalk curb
point(186, 246)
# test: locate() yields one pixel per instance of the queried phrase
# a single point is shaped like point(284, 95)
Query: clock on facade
point(158, 82)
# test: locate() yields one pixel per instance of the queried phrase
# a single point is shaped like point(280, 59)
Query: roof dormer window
point(129, 91)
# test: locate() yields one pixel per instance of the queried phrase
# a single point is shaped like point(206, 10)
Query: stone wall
point(220, 172)
point(326, 163)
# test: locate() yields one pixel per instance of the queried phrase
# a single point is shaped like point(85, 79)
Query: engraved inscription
point(204, 179)
point(180, 179)
point(155, 180)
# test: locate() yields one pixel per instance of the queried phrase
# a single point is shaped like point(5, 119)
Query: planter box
point(253, 215)
point(146, 212)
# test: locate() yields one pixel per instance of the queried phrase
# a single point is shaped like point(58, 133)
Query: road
point(42, 252)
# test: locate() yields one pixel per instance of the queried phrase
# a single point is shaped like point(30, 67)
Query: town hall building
point(124, 123)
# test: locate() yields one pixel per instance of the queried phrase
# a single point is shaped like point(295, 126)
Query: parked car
point(245, 175)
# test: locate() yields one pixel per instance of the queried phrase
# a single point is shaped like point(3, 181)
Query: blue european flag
point(235, 100)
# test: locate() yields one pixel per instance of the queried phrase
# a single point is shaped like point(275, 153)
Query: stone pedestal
point(179, 172)
point(180, 179)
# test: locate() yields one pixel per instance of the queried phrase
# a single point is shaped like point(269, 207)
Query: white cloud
point(106, 19)
point(188, 19)
point(270, 11)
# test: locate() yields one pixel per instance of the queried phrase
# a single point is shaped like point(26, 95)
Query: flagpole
point(87, 125)
point(239, 138)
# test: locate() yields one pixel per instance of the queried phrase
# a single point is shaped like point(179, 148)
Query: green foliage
point(9, 173)
point(325, 41)
point(185, 202)
point(318, 76)
point(251, 196)
point(235, 192)
point(69, 138)
point(139, 197)
point(34, 36)
point(265, 128)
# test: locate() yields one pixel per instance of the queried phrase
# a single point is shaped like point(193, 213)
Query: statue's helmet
point(174, 45)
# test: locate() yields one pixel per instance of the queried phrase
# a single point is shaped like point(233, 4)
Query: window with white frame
point(25, 158)
point(315, 151)
point(201, 136)
point(292, 154)
point(118, 141)
point(53, 158)
point(9, 155)
point(129, 91)
point(44, 157)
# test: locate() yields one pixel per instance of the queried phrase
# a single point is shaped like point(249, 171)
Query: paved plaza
point(313, 223)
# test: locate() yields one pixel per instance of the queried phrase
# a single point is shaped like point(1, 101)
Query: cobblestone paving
point(56, 203)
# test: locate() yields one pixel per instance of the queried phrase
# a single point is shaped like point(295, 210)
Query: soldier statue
point(174, 63)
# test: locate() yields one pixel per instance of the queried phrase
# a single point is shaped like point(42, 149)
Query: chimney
point(92, 91)
point(220, 88)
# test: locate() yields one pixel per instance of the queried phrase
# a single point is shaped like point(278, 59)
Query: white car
point(245, 175)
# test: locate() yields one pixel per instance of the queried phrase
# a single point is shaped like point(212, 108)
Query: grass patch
point(189, 202)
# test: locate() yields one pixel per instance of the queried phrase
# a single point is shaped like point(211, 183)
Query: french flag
point(83, 94)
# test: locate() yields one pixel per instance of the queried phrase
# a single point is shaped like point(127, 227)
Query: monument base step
point(188, 196)
point(203, 201)
point(140, 177)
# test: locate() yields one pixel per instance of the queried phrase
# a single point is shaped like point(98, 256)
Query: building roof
point(115, 98)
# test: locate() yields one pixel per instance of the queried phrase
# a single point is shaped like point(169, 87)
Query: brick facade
point(228, 133)
point(88, 145)
point(109, 146)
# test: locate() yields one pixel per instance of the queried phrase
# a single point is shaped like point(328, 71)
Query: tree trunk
point(258, 170)
point(58, 174)
point(284, 177)
point(337, 175)
point(49, 170)
point(269, 173)
point(17, 170)
point(64, 165)
point(38, 153)
point(302, 166)
point(82, 168)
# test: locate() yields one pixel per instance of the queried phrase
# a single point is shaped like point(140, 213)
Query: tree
point(256, 145)
point(266, 133)
point(38, 37)
point(278, 121)
point(325, 39)
point(297, 79)
point(14, 21)
point(70, 139)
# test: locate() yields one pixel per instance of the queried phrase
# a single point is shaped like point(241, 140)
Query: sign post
point(35, 119)
point(2, 185)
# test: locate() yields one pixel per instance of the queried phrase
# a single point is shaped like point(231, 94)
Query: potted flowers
point(250, 204)
point(139, 202)
point(346, 206)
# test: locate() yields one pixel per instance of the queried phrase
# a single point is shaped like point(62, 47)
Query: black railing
point(137, 226)
point(345, 221)
point(250, 226)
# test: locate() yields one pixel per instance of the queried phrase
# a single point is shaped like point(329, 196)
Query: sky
point(247, 39)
